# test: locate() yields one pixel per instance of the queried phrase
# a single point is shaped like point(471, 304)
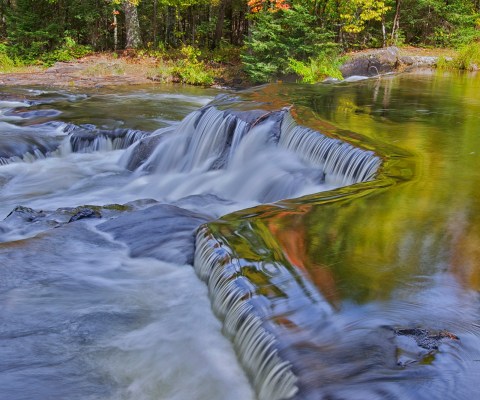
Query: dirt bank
point(109, 69)
point(92, 71)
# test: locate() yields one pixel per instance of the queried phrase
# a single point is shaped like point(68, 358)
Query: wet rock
point(428, 340)
point(418, 345)
point(381, 61)
point(142, 150)
point(24, 214)
point(85, 213)
point(162, 231)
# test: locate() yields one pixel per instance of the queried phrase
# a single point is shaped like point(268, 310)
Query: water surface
point(107, 308)
point(385, 259)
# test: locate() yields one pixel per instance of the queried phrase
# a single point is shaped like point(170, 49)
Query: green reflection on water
point(379, 242)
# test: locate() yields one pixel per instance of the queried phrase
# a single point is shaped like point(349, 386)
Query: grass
point(467, 58)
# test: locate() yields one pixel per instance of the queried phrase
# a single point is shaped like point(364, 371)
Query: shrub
point(70, 50)
point(193, 73)
point(317, 69)
point(6, 63)
point(468, 57)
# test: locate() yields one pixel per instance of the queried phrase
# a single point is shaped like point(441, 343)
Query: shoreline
point(109, 70)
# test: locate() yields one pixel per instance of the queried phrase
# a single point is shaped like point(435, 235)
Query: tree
point(282, 34)
point(356, 14)
point(132, 24)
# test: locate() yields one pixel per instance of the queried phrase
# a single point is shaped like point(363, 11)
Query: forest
point(269, 37)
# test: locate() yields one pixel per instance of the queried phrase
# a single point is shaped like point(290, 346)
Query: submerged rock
point(417, 345)
point(429, 340)
point(24, 214)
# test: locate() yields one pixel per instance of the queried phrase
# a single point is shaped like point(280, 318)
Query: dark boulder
point(374, 62)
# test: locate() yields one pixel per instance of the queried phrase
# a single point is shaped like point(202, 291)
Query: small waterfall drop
point(230, 295)
point(240, 143)
point(27, 144)
point(86, 141)
point(343, 163)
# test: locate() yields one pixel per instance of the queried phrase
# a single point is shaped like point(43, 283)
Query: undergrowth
point(317, 69)
point(467, 58)
point(186, 67)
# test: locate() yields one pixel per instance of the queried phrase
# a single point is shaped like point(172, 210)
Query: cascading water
point(342, 162)
point(102, 224)
point(209, 164)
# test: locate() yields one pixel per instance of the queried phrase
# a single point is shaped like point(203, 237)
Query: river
point(101, 301)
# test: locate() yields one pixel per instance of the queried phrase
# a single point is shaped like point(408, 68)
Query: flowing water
point(368, 291)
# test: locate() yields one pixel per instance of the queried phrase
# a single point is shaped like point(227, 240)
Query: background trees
point(273, 32)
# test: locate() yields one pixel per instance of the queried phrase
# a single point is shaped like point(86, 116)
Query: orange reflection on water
point(288, 229)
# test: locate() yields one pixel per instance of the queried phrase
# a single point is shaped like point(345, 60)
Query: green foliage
point(164, 72)
point(439, 23)
point(226, 53)
point(6, 63)
point(38, 34)
point(193, 73)
point(468, 57)
point(68, 52)
point(190, 70)
point(187, 68)
point(277, 37)
point(317, 69)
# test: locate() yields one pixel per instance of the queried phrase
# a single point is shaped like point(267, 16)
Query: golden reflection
point(364, 247)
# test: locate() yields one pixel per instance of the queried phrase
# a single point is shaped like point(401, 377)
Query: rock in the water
point(162, 231)
point(85, 212)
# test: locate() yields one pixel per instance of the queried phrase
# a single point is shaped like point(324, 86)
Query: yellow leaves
point(133, 2)
point(355, 14)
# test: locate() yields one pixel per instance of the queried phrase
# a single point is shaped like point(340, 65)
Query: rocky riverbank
point(391, 59)
point(100, 70)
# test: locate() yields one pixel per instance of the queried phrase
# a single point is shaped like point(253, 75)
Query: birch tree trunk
point(396, 22)
point(132, 25)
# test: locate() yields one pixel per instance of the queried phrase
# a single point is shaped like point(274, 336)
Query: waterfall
point(209, 139)
point(230, 295)
point(36, 142)
point(25, 143)
point(86, 141)
point(205, 139)
point(342, 163)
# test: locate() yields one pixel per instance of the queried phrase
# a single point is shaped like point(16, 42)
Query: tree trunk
point(155, 23)
point(132, 25)
point(384, 33)
point(219, 27)
point(396, 22)
point(115, 30)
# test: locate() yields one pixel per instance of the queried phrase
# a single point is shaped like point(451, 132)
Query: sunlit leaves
point(355, 14)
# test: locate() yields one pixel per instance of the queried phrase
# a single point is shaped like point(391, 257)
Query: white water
point(84, 318)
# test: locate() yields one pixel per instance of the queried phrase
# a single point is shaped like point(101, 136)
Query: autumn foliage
point(270, 5)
